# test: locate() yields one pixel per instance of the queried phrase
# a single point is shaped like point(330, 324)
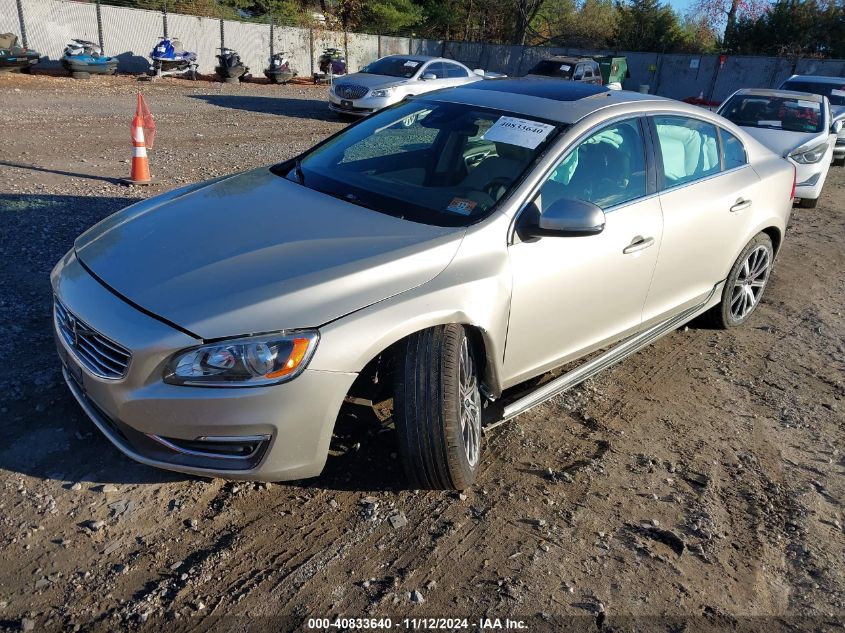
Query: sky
point(681, 6)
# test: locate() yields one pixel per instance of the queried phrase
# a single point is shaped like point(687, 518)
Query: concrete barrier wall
point(9, 22)
point(296, 43)
point(130, 34)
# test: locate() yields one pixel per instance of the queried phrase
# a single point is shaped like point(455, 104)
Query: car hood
point(257, 253)
point(372, 81)
point(782, 142)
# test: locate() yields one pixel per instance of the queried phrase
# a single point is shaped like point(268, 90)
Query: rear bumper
point(284, 430)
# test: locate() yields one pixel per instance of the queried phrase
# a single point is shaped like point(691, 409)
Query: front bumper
point(289, 426)
point(360, 107)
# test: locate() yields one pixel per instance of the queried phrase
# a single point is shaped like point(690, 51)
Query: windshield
point(393, 67)
point(551, 68)
point(834, 92)
point(446, 164)
point(791, 114)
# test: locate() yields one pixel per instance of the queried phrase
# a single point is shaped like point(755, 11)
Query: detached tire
point(745, 284)
point(437, 409)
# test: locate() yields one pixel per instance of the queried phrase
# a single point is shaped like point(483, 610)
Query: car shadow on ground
point(281, 106)
point(60, 172)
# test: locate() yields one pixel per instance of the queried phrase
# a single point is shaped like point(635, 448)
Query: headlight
point(244, 362)
point(384, 92)
point(811, 155)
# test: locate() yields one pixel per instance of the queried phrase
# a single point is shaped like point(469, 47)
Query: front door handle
point(639, 243)
point(740, 205)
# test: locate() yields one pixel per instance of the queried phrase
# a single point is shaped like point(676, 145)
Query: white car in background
point(834, 89)
point(390, 79)
point(795, 125)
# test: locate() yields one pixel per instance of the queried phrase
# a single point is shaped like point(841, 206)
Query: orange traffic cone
point(143, 131)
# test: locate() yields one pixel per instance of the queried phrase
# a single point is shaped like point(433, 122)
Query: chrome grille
point(101, 356)
point(350, 91)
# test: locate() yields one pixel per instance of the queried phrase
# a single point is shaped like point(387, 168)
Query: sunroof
point(556, 89)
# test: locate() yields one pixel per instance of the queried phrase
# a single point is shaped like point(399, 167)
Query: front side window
point(453, 71)
point(437, 69)
point(607, 169)
point(733, 150)
point(792, 114)
point(689, 149)
point(446, 164)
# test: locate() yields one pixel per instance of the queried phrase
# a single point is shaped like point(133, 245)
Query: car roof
point(551, 99)
point(567, 58)
point(822, 79)
point(423, 58)
point(767, 92)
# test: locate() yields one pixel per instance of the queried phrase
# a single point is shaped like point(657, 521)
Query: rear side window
point(689, 149)
point(732, 150)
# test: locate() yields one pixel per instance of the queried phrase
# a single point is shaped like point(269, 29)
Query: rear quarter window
point(733, 151)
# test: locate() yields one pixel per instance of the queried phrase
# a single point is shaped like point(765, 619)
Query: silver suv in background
point(581, 69)
point(511, 228)
point(834, 89)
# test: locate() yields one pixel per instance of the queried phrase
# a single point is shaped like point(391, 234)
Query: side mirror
point(836, 128)
point(428, 76)
point(563, 218)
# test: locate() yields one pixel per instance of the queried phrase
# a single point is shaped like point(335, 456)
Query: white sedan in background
point(795, 125)
point(390, 79)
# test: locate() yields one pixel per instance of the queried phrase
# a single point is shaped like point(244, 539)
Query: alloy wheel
point(750, 282)
point(470, 405)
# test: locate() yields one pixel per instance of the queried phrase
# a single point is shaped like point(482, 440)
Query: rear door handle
point(639, 243)
point(740, 205)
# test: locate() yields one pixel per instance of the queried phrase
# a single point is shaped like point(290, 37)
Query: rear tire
point(808, 203)
point(745, 284)
point(437, 409)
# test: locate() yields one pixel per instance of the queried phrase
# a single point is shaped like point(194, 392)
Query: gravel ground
point(696, 486)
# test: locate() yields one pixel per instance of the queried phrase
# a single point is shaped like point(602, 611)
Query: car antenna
point(300, 175)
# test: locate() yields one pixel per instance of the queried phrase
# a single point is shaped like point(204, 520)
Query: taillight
point(794, 182)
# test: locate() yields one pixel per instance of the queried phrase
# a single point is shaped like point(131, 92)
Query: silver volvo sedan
point(512, 228)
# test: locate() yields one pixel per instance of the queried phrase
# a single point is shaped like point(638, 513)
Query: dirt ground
point(696, 486)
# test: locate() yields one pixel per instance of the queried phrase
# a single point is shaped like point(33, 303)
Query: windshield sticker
point(411, 63)
point(770, 123)
point(837, 93)
point(565, 67)
point(808, 104)
point(521, 132)
point(463, 206)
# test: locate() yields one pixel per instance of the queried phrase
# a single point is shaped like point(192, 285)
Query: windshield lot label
point(463, 206)
point(837, 93)
point(411, 64)
point(521, 132)
point(770, 123)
